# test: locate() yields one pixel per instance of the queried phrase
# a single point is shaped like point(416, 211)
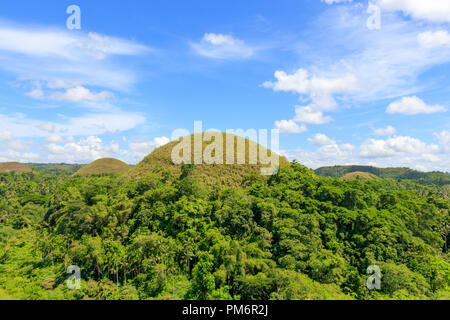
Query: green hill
point(56, 168)
point(224, 174)
point(361, 176)
point(104, 166)
point(427, 178)
point(14, 167)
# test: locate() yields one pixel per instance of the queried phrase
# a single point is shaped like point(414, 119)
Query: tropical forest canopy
point(171, 235)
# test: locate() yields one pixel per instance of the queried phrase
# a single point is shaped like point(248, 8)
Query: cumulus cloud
point(329, 148)
point(400, 151)
point(433, 39)
point(444, 138)
point(47, 127)
point(373, 148)
point(389, 130)
point(289, 126)
point(10, 155)
point(320, 139)
point(19, 145)
point(35, 94)
point(54, 138)
point(309, 116)
point(139, 149)
point(320, 90)
point(83, 151)
point(222, 46)
point(80, 93)
point(6, 136)
point(435, 11)
point(413, 105)
point(347, 147)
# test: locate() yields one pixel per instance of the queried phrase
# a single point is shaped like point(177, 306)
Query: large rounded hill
point(361, 176)
point(161, 159)
point(103, 166)
point(14, 167)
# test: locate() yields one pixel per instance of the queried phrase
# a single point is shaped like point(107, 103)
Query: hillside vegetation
point(103, 166)
point(428, 178)
point(14, 167)
point(160, 160)
point(362, 176)
point(292, 235)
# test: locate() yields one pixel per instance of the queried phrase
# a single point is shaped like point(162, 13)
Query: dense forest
point(292, 235)
point(428, 178)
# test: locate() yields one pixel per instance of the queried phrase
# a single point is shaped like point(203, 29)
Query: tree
point(203, 279)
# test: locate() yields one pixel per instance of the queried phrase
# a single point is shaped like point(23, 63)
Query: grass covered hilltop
point(14, 167)
point(165, 231)
point(103, 166)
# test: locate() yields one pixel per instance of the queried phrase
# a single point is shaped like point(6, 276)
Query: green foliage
point(426, 178)
point(171, 235)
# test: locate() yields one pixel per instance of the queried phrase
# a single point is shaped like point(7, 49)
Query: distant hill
point(56, 167)
point(14, 167)
point(430, 178)
point(104, 166)
point(210, 174)
point(362, 176)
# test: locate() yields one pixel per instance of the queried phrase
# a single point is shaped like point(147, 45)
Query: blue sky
point(340, 91)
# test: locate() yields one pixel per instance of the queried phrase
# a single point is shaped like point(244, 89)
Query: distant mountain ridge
point(435, 177)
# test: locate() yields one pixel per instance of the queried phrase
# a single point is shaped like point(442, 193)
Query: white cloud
point(434, 39)
point(47, 127)
point(19, 145)
point(309, 116)
point(388, 131)
point(289, 126)
point(347, 147)
point(60, 84)
point(80, 93)
point(44, 53)
point(320, 90)
point(221, 46)
point(10, 155)
point(320, 139)
point(444, 138)
point(84, 151)
point(140, 149)
point(393, 152)
point(35, 94)
point(64, 44)
point(54, 138)
point(374, 148)
point(432, 10)
point(413, 105)
point(83, 125)
point(371, 66)
point(6, 136)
